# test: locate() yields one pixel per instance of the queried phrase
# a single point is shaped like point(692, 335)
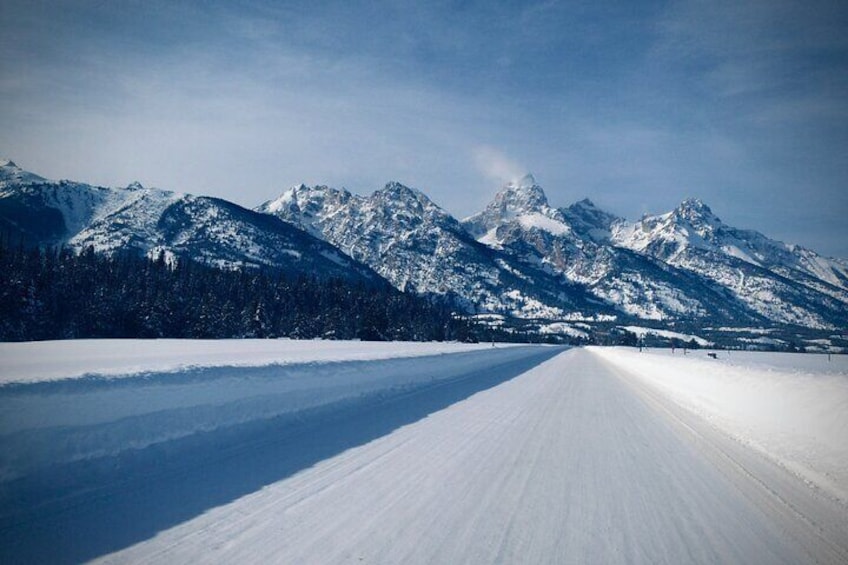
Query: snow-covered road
point(541, 459)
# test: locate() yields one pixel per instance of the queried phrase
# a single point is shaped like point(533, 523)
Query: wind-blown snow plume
point(496, 166)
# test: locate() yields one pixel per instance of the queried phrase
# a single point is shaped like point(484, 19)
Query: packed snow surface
point(475, 454)
point(561, 464)
point(792, 407)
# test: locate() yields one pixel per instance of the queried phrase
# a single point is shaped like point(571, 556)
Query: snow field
point(70, 401)
point(641, 332)
point(791, 407)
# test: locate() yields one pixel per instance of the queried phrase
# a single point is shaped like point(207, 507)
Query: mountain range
point(150, 221)
point(518, 259)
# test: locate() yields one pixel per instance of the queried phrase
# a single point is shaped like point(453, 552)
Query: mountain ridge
point(519, 257)
point(419, 247)
point(150, 221)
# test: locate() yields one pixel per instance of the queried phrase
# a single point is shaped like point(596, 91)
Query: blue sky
point(636, 105)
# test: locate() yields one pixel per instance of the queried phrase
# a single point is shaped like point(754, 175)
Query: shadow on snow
point(75, 512)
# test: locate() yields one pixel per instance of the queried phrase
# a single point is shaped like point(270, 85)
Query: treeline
point(58, 294)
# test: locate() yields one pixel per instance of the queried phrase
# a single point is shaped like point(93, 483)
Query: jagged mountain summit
point(521, 203)
point(574, 243)
point(787, 284)
point(693, 226)
point(418, 247)
point(148, 221)
point(683, 265)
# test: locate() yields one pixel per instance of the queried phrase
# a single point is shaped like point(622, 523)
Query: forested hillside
point(57, 294)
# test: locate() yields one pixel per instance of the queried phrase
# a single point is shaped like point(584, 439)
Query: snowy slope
point(693, 225)
point(49, 212)
point(685, 265)
point(574, 242)
point(419, 247)
point(556, 461)
point(782, 283)
point(150, 221)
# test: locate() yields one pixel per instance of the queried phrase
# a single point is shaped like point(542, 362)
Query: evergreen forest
point(59, 294)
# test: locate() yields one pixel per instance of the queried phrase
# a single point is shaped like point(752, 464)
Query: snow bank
point(131, 394)
point(791, 407)
point(641, 332)
point(117, 358)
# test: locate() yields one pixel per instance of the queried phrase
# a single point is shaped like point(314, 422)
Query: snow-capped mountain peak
point(527, 180)
point(306, 206)
point(404, 204)
point(523, 196)
point(802, 289)
point(521, 203)
point(394, 186)
point(12, 173)
point(419, 247)
point(285, 200)
point(694, 205)
point(397, 192)
point(691, 224)
point(585, 204)
point(695, 211)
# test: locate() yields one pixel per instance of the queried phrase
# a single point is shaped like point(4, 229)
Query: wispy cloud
point(634, 104)
point(496, 166)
